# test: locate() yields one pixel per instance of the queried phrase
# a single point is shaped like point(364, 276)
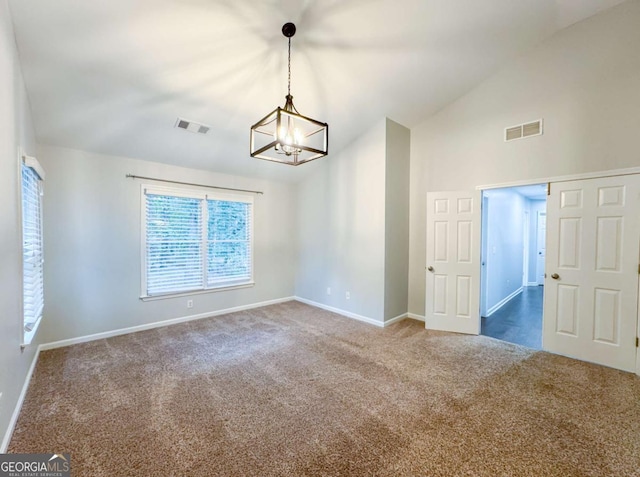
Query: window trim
point(193, 193)
point(27, 336)
point(166, 296)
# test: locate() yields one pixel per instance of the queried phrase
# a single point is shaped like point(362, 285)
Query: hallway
point(519, 321)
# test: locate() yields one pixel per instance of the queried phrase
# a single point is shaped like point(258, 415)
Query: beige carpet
point(293, 390)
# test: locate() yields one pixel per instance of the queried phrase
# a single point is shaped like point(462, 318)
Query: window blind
point(174, 244)
point(195, 242)
point(32, 249)
point(229, 242)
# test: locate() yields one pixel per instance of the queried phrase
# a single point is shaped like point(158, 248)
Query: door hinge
point(639, 269)
point(548, 188)
point(637, 342)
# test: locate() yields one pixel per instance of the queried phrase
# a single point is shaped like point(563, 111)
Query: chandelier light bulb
point(297, 136)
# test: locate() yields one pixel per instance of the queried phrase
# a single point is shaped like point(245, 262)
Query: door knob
point(430, 268)
point(555, 276)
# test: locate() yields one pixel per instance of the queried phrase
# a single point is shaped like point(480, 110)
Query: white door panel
point(591, 293)
point(453, 261)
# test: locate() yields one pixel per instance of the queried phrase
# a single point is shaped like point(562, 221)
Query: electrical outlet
point(348, 296)
point(189, 303)
point(328, 290)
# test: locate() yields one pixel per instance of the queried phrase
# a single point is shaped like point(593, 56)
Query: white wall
point(16, 131)
point(341, 228)
point(583, 82)
point(504, 257)
point(92, 244)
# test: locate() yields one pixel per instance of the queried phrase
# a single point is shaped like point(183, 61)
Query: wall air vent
point(534, 128)
point(192, 126)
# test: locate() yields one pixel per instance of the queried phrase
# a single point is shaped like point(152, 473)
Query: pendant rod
point(289, 68)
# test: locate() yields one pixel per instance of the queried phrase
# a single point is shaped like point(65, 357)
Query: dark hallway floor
point(519, 321)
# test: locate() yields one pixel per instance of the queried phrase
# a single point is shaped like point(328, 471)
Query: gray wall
point(16, 131)
point(396, 269)
point(93, 245)
point(504, 257)
point(353, 225)
point(583, 82)
point(341, 227)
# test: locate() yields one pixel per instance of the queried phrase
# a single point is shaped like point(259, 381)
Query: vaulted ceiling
point(112, 77)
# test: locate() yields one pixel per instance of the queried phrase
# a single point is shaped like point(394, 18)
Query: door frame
point(538, 215)
point(484, 202)
point(566, 178)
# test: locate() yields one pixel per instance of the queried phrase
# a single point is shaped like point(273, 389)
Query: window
point(32, 247)
point(195, 241)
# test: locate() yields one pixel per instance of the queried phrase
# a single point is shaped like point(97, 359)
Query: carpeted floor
point(293, 390)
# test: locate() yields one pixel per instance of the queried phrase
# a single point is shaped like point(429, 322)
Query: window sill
point(27, 336)
point(197, 292)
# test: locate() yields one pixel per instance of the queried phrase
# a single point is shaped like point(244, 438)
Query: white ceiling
point(113, 76)
point(533, 192)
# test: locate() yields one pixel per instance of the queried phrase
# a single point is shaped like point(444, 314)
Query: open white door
point(453, 262)
point(591, 289)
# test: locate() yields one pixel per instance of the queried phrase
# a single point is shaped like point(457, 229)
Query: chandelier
point(284, 135)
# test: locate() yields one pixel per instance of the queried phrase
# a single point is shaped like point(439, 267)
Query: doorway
point(591, 285)
point(513, 254)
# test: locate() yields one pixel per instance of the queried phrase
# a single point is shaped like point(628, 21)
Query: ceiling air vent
point(192, 126)
point(521, 131)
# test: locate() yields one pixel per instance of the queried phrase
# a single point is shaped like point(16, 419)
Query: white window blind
point(32, 249)
point(229, 242)
point(174, 244)
point(195, 242)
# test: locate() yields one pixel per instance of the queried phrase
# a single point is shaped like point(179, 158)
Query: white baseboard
point(348, 314)
point(395, 319)
point(532, 284)
point(413, 316)
point(108, 334)
point(18, 408)
point(503, 302)
point(158, 324)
